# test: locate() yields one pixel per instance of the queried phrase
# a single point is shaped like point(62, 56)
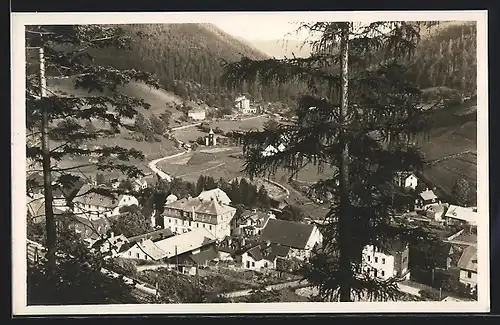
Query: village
point(207, 235)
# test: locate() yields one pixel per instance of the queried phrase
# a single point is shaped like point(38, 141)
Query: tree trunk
point(50, 224)
point(344, 217)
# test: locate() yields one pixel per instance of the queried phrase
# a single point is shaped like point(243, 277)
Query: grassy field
point(445, 173)
point(152, 150)
point(192, 133)
point(157, 98)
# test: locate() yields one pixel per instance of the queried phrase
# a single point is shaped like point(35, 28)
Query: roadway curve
point(152, 164)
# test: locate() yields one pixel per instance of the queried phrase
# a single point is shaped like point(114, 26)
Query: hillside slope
point(282, 48)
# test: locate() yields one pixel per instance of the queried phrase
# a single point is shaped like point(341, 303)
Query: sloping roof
point(215, 194)
point(395, 247)
point(151, 249)
point(83, 197)
point(36, 208)
point(460, 213)
point(287, 233)
point(263, 252)
point(205, 255)
point(171, 198)
point(185, 242)
point(213, 208)
point(226, 249)
point(93, 228)
point(428, 195)
point(153, 236)
point(468, 260)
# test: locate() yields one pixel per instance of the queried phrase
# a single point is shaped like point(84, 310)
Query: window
point(382, 273)
point(210, 227)
point(138, 255)
point(469, 274)
point(265, 264)
point(253, 264)
point(197, 225)
point(405, 259)
point(383, 260)
point(129, 253)
point(248, 264)
point(375, 273)
point(376, 259)
point(368, 258)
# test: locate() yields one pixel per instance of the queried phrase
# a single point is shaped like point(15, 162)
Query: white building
point(95, 206)
point(468, 267)
point(193, 213)
point(458, 214)
point(300, 238)
point(407, 180)
point(197, 114)
point(215, 194)
point(210, 139)
point(387, 263)
point(242, 103)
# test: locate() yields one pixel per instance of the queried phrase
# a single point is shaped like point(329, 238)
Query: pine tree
point(66, 52)
point(360, 118)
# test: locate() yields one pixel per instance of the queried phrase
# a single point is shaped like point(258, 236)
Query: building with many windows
point(205, 211)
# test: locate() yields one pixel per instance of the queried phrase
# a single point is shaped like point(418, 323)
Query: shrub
point(429, 295)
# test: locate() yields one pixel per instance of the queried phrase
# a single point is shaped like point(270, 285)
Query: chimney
point(112, 235)
point(268, 243)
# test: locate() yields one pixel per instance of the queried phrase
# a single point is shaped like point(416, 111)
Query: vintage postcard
point(250, 162)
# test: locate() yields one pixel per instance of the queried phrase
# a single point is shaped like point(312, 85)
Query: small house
point(468, 267)
point(388, 262)
point(426, 199)
point(461, 215)
point(197, 114)
point(406, 180)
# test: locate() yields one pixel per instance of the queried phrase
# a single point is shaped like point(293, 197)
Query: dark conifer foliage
point(382, 115)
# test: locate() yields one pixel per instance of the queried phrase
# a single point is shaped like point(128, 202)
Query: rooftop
point(287, 233)
point(468, 260)
point(461, 213)
point(428, 195)
point(185, 242)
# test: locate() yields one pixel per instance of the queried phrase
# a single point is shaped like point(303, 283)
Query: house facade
point(299, 238)
point(197, 114)
point(196, 213)
point(242, 103)
point(95, 206)
point(406, 180)
point(387, 263)
point(468, 267)
point(264, 255)
point(426, 199)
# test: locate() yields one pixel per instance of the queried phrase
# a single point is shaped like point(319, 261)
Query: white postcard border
point(19, 20)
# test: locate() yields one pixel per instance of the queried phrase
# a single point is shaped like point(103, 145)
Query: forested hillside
point(188, 59)
point(448, 58)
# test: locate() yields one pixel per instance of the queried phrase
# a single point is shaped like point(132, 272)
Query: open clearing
point(192, 133)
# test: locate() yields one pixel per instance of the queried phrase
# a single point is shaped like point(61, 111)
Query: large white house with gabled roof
point(208, 211)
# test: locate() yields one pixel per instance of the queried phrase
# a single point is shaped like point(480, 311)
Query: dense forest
point(448, 58)
point(188, 59)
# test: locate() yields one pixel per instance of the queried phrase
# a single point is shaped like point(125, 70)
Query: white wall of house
point(220, 231)
point(92, 212)
point(468, 277)
point(383, 263)
point(315, 238)
point(225, 256)
point(197, 115)
point(136, 253)
point(247, 262)
point(411, 181)
point(125, 200)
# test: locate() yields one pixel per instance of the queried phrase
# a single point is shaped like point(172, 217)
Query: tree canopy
point(376, 117)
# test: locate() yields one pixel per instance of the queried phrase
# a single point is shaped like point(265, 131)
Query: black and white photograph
point(232, 162)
